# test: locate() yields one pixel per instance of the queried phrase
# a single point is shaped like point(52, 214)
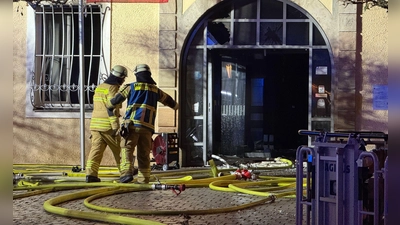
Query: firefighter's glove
point(124, 132)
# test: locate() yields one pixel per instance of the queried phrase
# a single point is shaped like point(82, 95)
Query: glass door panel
point(194, 110)
point(233, 102)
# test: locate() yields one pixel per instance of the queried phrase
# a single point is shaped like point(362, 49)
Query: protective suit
point(104, 124)
point(138, 126)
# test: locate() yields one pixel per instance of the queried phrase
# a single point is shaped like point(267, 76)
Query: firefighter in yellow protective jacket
point(138, 126)
point(104, 124)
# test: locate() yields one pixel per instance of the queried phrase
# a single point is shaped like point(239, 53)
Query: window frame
point(66, 110)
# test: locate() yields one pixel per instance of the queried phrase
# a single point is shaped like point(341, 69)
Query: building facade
point(247, 74)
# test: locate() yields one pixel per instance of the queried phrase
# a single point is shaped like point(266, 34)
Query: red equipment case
point(166, 151)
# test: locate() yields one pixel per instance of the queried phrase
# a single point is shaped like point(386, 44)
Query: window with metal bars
point(55, 80)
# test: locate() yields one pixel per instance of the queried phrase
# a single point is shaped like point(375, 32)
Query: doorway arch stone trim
point(339, 26)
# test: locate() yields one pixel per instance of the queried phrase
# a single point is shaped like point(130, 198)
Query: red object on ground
point(246, 174)
point(159, 150)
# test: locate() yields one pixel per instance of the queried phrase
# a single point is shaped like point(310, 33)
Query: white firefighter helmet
point(141, 68)
point(119, 71)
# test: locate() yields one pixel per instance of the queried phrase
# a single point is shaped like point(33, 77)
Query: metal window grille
point(55, 79)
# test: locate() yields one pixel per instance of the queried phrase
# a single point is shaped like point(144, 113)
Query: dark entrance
point(260, 101)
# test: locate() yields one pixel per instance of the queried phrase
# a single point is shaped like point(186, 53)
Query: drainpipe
point(82, 82)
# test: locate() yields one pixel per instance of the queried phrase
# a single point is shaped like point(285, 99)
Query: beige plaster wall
point(134, 37)
point(374, 68)
point(135, 30)
point(37, 141)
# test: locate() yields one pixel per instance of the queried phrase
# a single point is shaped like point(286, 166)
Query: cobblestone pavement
point(29, 210)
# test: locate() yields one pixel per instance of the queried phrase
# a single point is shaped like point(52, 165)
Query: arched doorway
point(252, 74)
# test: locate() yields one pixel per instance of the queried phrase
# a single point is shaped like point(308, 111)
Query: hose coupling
point(177, 189)
point(244, 174)
point(17, 177)
point(76, 169)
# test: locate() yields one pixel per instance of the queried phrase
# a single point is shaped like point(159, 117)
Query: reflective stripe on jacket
point(104, 119)
point(142, 101)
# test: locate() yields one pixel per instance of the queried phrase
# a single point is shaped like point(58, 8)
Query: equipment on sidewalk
point(343, 182)
point(166, 151)
point(177, 189)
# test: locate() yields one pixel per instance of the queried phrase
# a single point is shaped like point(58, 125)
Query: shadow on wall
point(371, 70)
point(362, 76)
point(43, 141)
point(371, 119)
point(57, 141)
point(366, 76)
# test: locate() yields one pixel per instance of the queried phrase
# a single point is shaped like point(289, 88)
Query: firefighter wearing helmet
point(138, 126)
point(105, 123)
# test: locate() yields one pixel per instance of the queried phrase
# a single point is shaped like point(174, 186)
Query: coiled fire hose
point(269, 187)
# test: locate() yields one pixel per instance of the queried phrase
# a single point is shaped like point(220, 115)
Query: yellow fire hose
point(165, 212)
point(269, 187)
point(50, 206)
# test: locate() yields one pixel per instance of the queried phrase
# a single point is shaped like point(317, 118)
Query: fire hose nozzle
point(177, 189)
